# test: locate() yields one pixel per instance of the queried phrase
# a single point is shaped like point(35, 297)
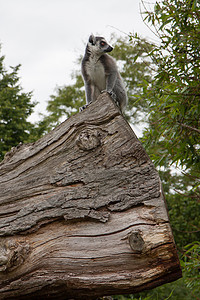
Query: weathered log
point(82, 213)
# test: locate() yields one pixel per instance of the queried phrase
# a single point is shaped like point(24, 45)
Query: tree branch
point(190, 127)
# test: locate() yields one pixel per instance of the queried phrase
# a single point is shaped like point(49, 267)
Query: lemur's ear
point(92, 39)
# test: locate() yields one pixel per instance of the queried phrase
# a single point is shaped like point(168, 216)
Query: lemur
point(100, 73)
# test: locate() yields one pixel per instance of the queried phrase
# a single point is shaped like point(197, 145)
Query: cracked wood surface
point(82, 213)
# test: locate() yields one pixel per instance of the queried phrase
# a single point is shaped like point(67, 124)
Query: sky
point(47, 36)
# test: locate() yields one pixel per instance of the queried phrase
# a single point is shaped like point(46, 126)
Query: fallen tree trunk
point(82, 213)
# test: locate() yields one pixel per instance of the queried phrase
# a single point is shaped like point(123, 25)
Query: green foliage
point(174, 95)
point(15, 108)
point(191, 266)
point(183, 206)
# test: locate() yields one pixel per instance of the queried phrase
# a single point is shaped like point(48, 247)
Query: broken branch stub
point(82, 213)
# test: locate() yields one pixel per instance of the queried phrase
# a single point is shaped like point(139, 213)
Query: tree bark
point(82, 213)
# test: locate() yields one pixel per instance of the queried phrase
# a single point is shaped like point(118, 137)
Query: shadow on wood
point(82, 213)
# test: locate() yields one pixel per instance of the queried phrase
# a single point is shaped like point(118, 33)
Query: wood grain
point(82, 213)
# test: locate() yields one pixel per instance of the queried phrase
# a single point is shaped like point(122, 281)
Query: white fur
point(97, 74)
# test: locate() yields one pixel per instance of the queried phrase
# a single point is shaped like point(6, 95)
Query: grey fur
point(100, 73)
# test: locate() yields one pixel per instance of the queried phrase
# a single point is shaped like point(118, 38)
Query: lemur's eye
point(103, 43)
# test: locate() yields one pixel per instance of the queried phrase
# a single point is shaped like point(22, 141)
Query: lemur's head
point(98, 45)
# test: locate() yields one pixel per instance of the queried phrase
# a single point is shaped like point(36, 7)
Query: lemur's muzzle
point(109, 49)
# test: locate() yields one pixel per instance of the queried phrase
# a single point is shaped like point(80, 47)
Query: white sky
point(47, 36)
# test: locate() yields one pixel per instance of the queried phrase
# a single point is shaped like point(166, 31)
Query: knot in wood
point(136, 242)
point(12, 254)
point(88, 139)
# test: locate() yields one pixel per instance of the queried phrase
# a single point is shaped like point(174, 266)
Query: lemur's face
point(98, 45)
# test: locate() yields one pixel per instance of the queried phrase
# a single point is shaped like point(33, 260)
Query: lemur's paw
point(111, 93)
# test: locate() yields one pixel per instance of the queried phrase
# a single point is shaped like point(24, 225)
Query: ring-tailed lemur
point(100, 73)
